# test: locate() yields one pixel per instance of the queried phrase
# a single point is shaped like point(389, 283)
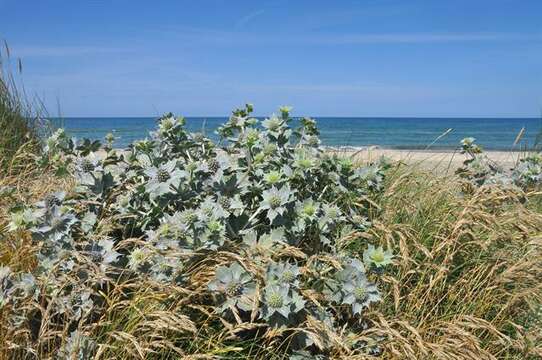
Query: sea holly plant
point(236, 285)
point(479, 170)
point(274, 201)
point(528, 172)
point(280, 303)
point(350, 286)
point(283, 273)
point(359, 293)
point(163, 179)
point(377, 257)
point(250, 226)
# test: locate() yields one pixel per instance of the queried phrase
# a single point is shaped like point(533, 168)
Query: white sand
point(430, 159)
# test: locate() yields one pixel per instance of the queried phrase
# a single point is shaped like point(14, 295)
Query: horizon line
point(301, 116)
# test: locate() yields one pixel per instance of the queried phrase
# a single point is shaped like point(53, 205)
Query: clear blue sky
point(347, 58)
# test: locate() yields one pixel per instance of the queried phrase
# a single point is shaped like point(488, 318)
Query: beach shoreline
point(429, 158)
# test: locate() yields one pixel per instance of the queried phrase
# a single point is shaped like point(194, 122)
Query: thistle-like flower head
point(283, 273)
point(51, 200)
point(22, 219)
point(236, 284)
point(138, 257)
point(468, 146)
point(304, 160)
point(371, 175)
point(359, 293)
point(332, 212)
point(274, 201)
point(308, 209)
point(55, 226)
point(218, 164)
point(273, 177)
point(189, 218)
point(251, 136)
point(211, 209)
point(277, 301)
point(88, 164)
point(377, 256)
point(285, 111)
point(272, 124)
point(163, 179)
point(468, 141)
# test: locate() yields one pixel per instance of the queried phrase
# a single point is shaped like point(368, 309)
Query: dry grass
point(23, 183)
point(466, 277)
point(20, 123)
point(468, 273)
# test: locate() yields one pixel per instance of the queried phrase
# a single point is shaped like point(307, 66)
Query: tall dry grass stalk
point(21, 124)
point(468, 273)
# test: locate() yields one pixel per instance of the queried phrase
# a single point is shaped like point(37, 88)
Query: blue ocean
point(395, 133)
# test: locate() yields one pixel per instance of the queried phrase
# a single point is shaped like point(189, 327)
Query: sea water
point(395, 133)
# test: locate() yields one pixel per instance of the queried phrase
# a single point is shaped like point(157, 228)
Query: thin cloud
point(248, 18)
point(232, 38)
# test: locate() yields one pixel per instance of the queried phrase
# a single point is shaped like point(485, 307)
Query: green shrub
point(258, 238)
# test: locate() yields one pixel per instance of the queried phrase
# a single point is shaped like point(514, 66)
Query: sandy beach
point(431, 159)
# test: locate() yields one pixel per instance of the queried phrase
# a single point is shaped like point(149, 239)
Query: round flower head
point(51, 200)
point(213, 165)
point(377, 256)
point(189, 218)
point(332, 212)
point(468, 146)
point(268, 148)
point(308, 209)
point(110, 138)
point(303, 160)
point(198, 137)
point(87, 164)
point(56, 224)
point(211, 209)
point(251, 136)
point(359, 293)
point(285, 111)
point(283, 273)
point(311, 140)
point(166, 124)
point(259, 158)
point(137, 257)
point(272, 124)
point(371, 175)
point(21, 219)
point(277, 301)
point(163, 179)
point(346, 164)
point(273, 177)
point(219, 164)
point(214, 234)
point(274, 201)
point(236, 284)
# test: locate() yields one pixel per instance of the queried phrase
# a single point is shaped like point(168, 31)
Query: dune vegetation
point(262, 246)
point(20, 124)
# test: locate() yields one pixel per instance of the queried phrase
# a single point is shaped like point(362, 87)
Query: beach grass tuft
point(20, 123)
